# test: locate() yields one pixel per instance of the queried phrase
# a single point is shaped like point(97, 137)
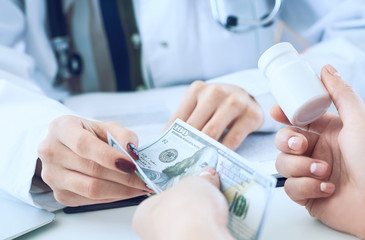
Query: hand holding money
point(193, 209)
point(183, 151)
point(81, 168)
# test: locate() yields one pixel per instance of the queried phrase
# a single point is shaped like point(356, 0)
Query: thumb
point(346, 101)
point(211, 175)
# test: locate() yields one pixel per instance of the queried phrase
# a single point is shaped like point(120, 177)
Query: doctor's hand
point(192, 209)
point(213, 108)
point(81, 168)
point(325, 163)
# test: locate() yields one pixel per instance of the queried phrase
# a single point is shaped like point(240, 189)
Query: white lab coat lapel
point(182, 42)
point(38, 45)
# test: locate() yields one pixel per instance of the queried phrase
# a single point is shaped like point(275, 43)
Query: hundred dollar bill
point(183, 151)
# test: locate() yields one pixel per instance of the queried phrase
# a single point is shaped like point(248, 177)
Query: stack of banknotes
point(183, 151)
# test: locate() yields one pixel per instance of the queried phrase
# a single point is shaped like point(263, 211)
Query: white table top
point(285, 220)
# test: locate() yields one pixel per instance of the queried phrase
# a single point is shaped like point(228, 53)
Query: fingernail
point(294, 143)
point(318, 169)
point(327, 187)
point(207, 171)
point(332, 70)
point(125, 165)
point(133, 151)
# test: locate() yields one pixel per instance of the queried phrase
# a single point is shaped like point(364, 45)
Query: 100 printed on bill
point(183, 151)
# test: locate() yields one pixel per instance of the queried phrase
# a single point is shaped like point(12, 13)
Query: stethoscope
point(235, 24)
point(69, 62)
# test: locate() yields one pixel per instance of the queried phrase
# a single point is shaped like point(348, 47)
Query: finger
point(296, 141)
point(58, 155)
point(96, 189)
point(71, 199)
point(278, 115)
point(95, 170)
point(213, 101)
point(299, 166)
point(201, 114)
point(301, 189)
point(238, 132)
point(88, 167)
point(346, 101)
point(126, 138)
point(88, 146)
point(224, 116)
point(211, 175)
point(188, 103)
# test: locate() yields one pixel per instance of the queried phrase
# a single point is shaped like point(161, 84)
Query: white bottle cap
point(296, 88)
point(273, 53)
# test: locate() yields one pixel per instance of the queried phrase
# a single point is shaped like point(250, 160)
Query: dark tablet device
point(101, 206)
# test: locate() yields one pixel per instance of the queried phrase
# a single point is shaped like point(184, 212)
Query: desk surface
point(285, 220)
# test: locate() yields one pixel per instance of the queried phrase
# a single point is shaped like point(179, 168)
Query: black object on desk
point(280, 180)
point(102, 206)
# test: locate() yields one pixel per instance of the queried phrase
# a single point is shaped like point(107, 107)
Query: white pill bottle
point(296, 88)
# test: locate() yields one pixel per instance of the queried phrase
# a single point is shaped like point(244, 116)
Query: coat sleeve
point(25, 115)
point(25, 112)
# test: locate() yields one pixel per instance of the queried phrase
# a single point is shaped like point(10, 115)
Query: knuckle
point(345, 88)
point(93, 190)
point(256, 113)
point(53, 125)
point(211, 131)
point(80, 144)
point(62, 198)
point(130, 135)
point(214, 90)
point(104, 156)
point(132, 180)
point(293, 190)
point(234, 140)
point(47, 177)
point(288, 189)
point(234, 101)
point(195, 88)
point(60, 121)
point(94, 168)
point(45, 152)
point(112, 124)
point(117, 128)
point(279, 162)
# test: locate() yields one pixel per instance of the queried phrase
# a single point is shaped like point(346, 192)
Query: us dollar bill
point(183, 151)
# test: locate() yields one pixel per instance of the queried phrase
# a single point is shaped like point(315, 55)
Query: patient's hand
point(193, 209)
point(213, 108)
point(325, 164)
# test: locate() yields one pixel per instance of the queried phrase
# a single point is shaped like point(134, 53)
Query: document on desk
point(183, 151)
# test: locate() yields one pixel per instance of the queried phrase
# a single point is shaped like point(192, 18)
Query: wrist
point(359, 221)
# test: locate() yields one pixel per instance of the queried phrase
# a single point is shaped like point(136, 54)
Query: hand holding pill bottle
point(296, 88)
